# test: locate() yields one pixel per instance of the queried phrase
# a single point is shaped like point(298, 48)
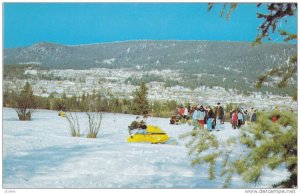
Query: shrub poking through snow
point(73, 123)
point(94, 123)
point(24, 103)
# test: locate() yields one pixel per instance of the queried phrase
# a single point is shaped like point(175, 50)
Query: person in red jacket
point(234, 119)
point(274, 118)
point(181, 112)
point(276, 115)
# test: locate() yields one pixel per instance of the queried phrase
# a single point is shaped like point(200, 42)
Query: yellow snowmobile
point(153, 135)
point(61, 114)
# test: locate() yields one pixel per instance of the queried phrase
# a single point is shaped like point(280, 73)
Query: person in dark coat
point(210, 117)
point(135, 124)
point(219, 116)
point(253, 116)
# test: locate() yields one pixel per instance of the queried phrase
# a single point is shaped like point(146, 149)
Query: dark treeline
point(93, 102)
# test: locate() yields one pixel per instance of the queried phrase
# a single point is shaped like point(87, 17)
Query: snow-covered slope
point(42, 154)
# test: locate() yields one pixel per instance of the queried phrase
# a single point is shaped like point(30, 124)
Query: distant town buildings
point(113, 81)
point(30, 72)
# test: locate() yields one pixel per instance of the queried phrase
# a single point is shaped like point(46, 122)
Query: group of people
point(240, 117)
point(200, 115)
point(181, 114)
point(213, 117)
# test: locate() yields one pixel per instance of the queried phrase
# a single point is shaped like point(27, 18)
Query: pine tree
point(271, 144)
point(265, 144)
point(140, 104)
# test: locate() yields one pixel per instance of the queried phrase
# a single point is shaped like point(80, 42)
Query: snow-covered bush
point(94, 123)
point(73, 124)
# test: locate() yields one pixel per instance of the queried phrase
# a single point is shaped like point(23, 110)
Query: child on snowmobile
point(143, 124)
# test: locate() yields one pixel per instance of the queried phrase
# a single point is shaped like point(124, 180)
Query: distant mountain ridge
point(149, 54)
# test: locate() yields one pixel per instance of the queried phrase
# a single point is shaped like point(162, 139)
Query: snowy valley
point(42, 154)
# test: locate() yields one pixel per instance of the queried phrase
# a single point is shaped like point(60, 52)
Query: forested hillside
point(228, 64)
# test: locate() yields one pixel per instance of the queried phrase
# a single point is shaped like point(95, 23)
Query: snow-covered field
point(42, 154)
